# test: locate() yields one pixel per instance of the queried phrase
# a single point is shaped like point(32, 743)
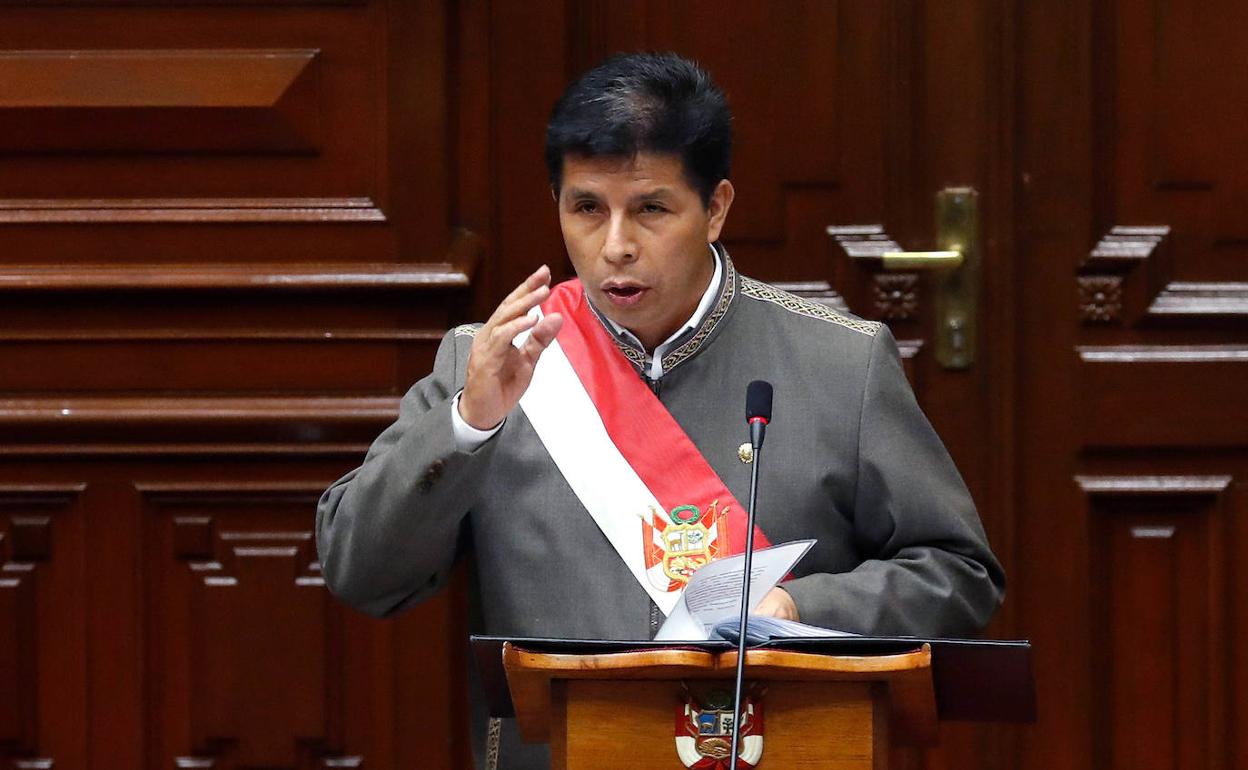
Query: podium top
point(975, 680)
point(908, 677)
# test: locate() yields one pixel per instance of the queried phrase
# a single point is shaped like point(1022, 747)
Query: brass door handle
point(955, 267)
point(921, 260)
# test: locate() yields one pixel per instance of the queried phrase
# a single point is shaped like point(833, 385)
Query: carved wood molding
point(138, 424)
point(1127, 354)
point(161, 100)
point(220, 335)
point(26, 521)
point(236, 553)
point(1123, 247)
point(245, 277)
point(1100, 297)
point(1103, 288)
point(895, 295)
point(148, 78)
point(1186, 298)
point(863, 241)
point(1153, 485)
point(188, 210)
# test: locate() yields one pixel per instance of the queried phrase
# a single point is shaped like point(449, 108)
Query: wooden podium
point(623, 709)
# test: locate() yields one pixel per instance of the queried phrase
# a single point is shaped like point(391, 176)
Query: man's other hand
point(498, 371)
point(777, 604)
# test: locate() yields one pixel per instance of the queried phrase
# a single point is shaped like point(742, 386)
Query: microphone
point(757, 415)
point(758, 411)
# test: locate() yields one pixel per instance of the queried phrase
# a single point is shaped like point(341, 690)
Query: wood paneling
point(35, 570)
point(1161, 600)
point(1132, 604)
point(251, 646)
point(254, 101)
point(1120, 383)
point(231, 241)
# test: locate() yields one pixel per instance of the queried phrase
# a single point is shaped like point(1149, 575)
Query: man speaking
point(569, 437)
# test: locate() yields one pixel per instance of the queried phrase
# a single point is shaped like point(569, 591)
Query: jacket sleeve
point(388, 531)
point(927, 569)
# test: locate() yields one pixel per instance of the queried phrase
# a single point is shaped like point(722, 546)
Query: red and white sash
point(649, 489)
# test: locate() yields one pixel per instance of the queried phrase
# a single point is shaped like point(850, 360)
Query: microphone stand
point(756, 439)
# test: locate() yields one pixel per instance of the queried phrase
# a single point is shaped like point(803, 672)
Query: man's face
point(637, 234)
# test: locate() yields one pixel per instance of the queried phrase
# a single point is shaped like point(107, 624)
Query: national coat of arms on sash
point(677, 544)
point(704, 731)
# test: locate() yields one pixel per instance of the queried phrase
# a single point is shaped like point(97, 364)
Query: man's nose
point(621, 244)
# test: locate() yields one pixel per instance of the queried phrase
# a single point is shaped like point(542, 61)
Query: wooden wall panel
point(1192, 394)
point(251, 646)
point(1161, 600)
point(39, 638)
point(314, 132)
point(230, 239)
point(1133, 172)
point(184, 101)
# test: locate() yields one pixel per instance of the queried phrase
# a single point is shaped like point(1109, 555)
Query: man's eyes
point(586, 207)
point(652, 208)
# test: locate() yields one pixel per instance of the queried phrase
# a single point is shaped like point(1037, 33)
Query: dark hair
point(644, 102)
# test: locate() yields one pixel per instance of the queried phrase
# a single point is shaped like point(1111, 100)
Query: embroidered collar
point(693, 339)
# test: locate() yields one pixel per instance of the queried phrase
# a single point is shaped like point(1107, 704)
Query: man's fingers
point(505, 333)
point(531, 291)
point(519, 305)
point(541, 337)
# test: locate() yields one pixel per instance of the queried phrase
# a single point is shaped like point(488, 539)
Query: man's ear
point(717, 209)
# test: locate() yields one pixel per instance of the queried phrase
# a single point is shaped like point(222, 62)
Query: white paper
point(714, 592)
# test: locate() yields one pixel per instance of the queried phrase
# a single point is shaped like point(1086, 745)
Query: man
point(540, 456)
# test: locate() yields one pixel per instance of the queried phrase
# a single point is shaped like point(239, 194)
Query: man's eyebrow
point(579, 194)
point(658, 192)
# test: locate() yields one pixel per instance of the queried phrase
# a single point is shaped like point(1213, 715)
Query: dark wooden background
point(232, 232)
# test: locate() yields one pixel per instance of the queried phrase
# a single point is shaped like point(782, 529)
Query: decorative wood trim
point(1102, 285)
point(863, 241)
point(207, 449)
point(1201, 299)
point(149, 78)
point(293, 425)
point(1129, 354)
point(40, 494)
point(1153, 485)
point(908, 349)
point(230, 492)
point(896, 296)
point(131, 3)
point(188, 210)
point(268, 277)
point(220, 335)
point(1123, 247)
point(1100, 298)
point(85, 411)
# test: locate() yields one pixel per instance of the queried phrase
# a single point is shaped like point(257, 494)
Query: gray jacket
point(850, 460)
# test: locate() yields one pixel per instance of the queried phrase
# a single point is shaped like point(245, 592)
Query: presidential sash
point(651, 492)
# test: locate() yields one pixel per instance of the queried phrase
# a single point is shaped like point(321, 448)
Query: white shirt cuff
point(468, 438)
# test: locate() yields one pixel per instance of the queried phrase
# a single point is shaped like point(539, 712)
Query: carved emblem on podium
point(704, 730)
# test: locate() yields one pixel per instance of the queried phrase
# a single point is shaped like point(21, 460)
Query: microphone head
point(758, 401)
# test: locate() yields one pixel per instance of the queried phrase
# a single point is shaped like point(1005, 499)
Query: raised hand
point(498, 371)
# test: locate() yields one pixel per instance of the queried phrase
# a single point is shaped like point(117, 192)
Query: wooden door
point(1132, 258)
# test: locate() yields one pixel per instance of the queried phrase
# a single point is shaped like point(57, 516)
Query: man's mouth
point(623, 295)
